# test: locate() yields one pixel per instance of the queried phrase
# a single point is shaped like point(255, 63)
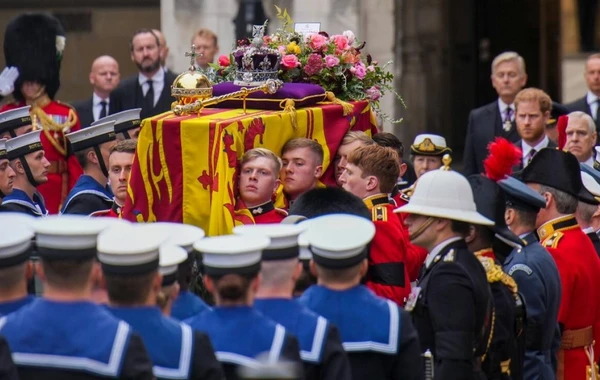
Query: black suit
point(551, 144)
point(595, 241)
point(485, 123)
point(129, 95)
point(582, 105)
point(85, 110)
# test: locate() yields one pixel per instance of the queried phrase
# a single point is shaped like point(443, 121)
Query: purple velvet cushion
point(303, 95)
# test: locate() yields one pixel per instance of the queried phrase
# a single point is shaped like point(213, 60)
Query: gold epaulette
point(408, 192)
point(495, 273)
point(379, 213)
point(552, 240)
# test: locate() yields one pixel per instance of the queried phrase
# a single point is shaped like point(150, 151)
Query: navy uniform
point(320, 345)
point(536, 275)
point(88, 195)
point(591, 196)
point(15, 249)
point(187, 304)
point(240, 333)
point(52, 339)
point(127, 123)
point(452, 304)
point(176, 351)
point(378, 336)
point(19, 201)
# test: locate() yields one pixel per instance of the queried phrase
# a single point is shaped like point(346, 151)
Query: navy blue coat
point(536, 275)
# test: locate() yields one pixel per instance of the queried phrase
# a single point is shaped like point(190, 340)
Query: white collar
point(541, 145)
point(588, 230)
point(96, 100)
point(438, 248)
point(503, 106)
point(590, 98)
point(158, 77)
point(590, 161)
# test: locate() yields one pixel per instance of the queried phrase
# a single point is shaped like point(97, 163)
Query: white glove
point(7, 80)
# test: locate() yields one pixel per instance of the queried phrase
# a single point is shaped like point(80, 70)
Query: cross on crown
point(192, 54)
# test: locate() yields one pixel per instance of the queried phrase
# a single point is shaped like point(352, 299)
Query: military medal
point(507, 125)
point(412, 299)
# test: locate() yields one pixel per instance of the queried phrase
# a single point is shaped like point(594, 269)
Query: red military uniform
point(113, 212)
point(267, 213)
point(56, 119)
point(415, 255)
point(579, 314)
point(388, 275)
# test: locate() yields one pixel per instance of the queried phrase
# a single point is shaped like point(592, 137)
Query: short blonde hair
point(206, 33)
point(353, 136)
point(532, 94)
point(303, 142)
point(255, 153)
point(506, 57)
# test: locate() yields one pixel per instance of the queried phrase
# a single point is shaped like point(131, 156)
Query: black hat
point(520, 196)
point(554, 168)
point(34, 43)
point(490, 202)
point(558, 110)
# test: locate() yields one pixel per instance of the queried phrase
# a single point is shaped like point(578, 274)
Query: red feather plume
point(503, 156)
point(561, 127)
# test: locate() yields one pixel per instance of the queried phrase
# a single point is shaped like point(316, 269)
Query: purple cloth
point(303, 95)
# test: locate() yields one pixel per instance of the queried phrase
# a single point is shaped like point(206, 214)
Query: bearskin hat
point(34, 43)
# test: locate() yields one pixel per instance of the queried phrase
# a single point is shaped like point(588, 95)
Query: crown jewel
point(255, 62)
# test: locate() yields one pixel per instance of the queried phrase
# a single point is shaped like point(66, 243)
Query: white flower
point(350, 36)
point(60, 44)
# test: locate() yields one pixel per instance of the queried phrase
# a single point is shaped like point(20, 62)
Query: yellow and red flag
point(185, 169)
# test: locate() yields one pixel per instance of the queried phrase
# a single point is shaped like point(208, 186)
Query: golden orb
point(191, 86)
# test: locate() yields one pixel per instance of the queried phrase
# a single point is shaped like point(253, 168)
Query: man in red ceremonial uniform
point(259, 170)
point(370, 174)
point(555, 175)
point(34, 43)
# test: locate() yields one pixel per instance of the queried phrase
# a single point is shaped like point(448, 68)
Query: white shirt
point(97, 107)
point(438, 248)
point(591, 101)
point(588, 230)
point(526, 148)
point(503, 106)
point(158, 83)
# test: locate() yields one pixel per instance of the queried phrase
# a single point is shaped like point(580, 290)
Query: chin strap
point(30, 177)
point(422, 228)
point(101, 160)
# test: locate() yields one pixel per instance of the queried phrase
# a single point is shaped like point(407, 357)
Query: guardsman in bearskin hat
point(34, 43)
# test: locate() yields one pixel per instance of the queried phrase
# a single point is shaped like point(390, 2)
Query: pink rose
point(314, 65)
point(373, 93)
point(359, 70)
point(371, 68)
point(341, 42)
point(317, 41)
point(350, 36)
point(290, 61)
point(331, 61)
point(224, 61)
point(281, 49)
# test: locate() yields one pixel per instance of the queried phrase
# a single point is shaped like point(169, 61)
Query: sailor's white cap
point(183, 235)
point(429, 145)
point(14, 118)
point(284, 239)
point(240, 254)
point(339, 240)
point(24, 144)
point(170, 256)
point(92, 136)
point(124, 120)
point(16, 234)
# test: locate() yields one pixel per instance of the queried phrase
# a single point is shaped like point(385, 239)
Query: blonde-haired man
point(207, 46)
point(259, 172)
point(497, 118)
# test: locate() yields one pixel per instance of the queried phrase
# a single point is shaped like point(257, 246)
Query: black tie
point(532, 153)
point(149, 98)
point(103, 109)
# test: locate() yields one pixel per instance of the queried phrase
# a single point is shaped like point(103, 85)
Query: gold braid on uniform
point(489, 342)
point(495, 273)
point(41, 118)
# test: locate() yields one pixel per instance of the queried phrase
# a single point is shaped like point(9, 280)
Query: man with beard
point(150, 88)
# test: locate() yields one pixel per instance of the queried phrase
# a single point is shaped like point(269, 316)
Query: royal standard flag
point(186, 167)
